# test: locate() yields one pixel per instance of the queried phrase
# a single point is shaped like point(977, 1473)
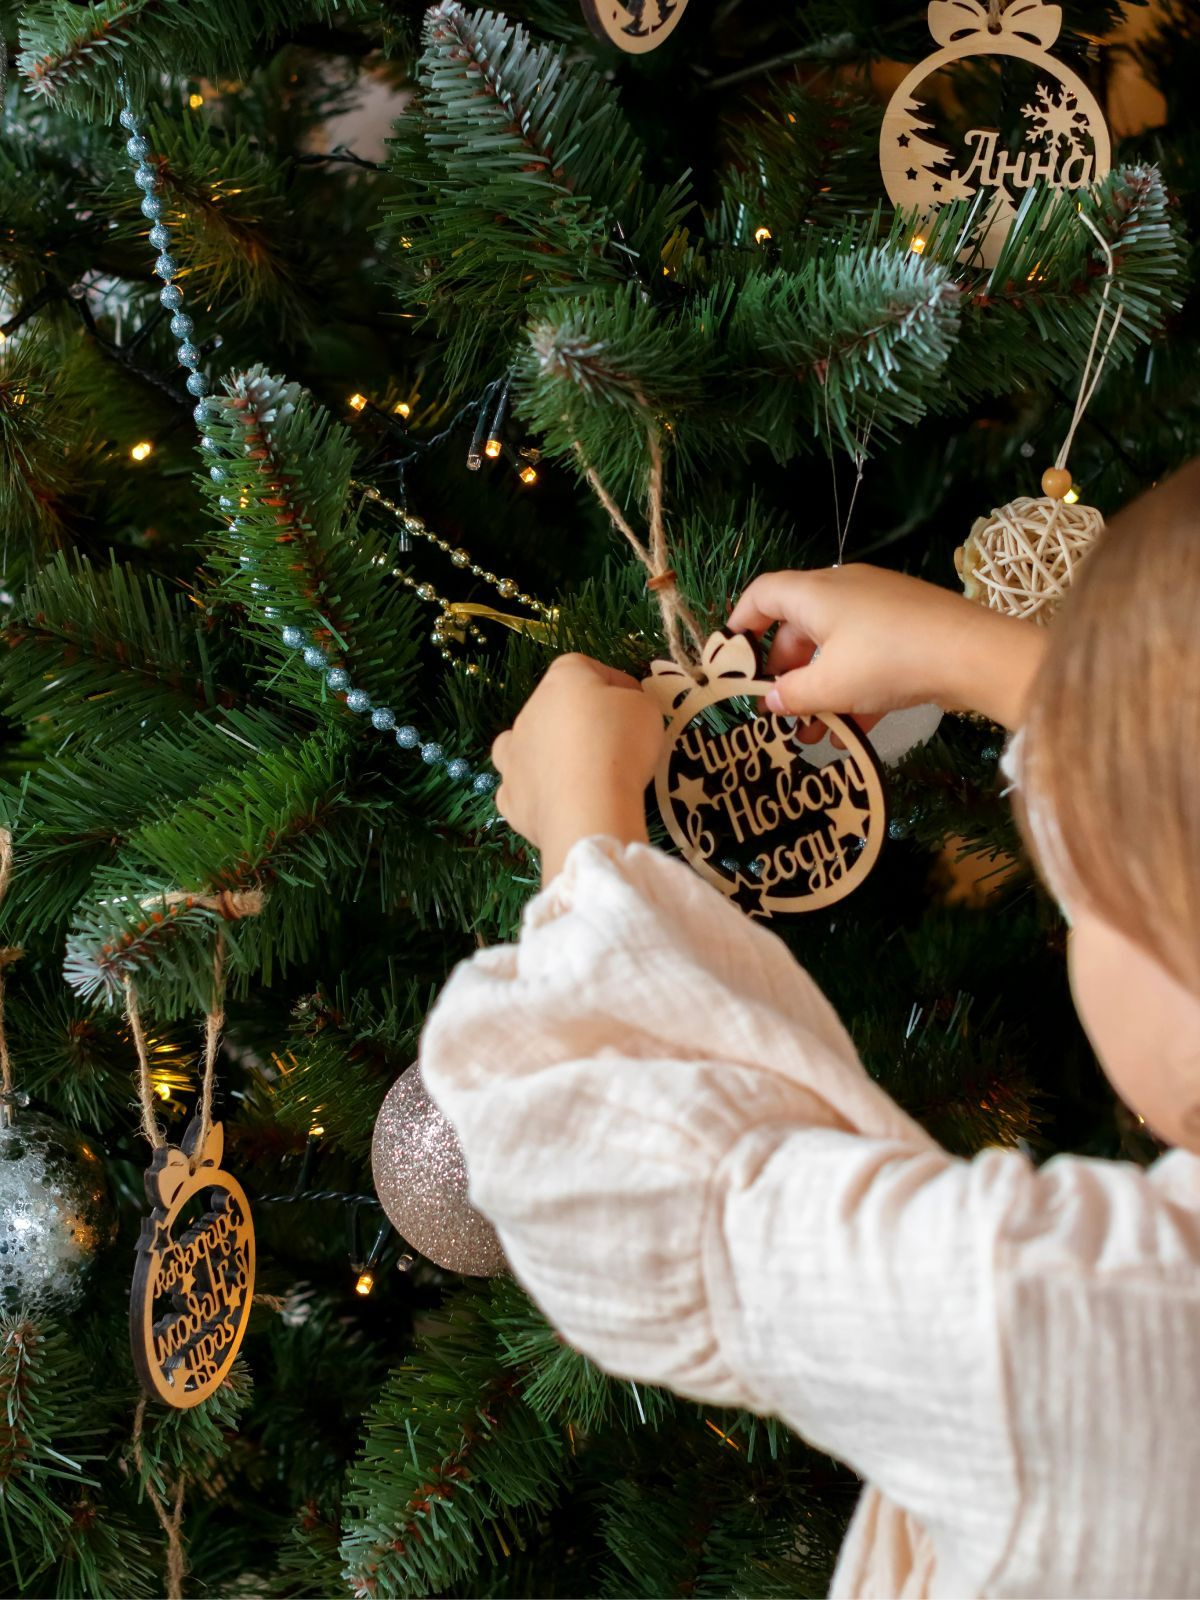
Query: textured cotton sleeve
point(694, 1177)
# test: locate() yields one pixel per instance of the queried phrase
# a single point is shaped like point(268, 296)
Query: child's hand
point(578, 758)
point(886, 641)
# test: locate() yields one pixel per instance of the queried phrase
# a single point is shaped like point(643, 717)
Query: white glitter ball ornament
point(420, 1177)
point(55, 1214)
point(1020, 559)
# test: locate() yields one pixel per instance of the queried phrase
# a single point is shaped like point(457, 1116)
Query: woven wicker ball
point(1020, 560)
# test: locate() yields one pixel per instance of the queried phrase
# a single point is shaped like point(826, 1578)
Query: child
point(695, 1178)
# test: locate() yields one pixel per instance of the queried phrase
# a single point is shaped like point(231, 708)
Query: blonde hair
point(1110, 765)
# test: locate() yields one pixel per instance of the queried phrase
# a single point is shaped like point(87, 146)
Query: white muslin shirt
point(696, 1180)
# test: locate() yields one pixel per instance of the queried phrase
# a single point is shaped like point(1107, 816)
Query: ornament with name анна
point(1061, 139)
point(749, 811)
point(634, 26)
point(194, 1280)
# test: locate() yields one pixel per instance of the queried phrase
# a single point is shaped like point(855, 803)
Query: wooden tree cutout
point(635, 26)
point(194, 1279)
point(748, 811)
point(1066, 143)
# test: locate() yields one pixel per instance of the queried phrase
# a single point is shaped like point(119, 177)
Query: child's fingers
point(804, 692)
point(789, 649)
point(773, 597)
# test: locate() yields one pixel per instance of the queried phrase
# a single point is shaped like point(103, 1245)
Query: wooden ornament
point(746, 807)
point(1066, 142)
point(194, 1280)
point(634, 26)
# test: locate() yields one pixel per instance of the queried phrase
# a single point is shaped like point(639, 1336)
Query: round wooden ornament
point(739, 796)
point(1066, 142)
point(193, 1283)
point(634, 26)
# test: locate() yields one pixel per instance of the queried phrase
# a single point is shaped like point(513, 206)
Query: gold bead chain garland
point(457, 619)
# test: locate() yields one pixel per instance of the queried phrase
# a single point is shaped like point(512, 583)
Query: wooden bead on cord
point(1056, 483)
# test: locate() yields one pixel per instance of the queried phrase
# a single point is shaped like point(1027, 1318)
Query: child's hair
point(1110, 768)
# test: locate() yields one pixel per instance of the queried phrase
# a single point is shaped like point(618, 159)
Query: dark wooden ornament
point(193, 1283)
point(748, 810)
point(634, 26)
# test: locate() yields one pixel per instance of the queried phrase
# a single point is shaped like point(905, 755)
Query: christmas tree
point(290, 532)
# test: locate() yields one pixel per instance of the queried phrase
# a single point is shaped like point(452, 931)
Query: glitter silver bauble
point(55, 1214)
point(421, 1180)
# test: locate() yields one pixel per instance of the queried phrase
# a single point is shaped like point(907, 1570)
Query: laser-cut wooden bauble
point(194, 1279)
point(1021, 559)
point(748, 810)
point(1067, 143)
point(635, 26)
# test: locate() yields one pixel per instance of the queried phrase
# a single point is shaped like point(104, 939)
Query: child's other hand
point(885, 641)
point(578, 758)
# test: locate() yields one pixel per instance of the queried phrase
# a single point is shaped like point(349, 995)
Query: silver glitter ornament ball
point(56, 1214)
point(421, 1180)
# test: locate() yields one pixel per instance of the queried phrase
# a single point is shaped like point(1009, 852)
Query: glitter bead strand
point(272, 399)
point(407, 737)
point(170, 296)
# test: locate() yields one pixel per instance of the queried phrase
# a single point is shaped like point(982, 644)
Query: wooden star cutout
point(911, 174)
point(848, 819)
point(749, 896)
point(902, 141)
point(778, 749)
point(690, 793)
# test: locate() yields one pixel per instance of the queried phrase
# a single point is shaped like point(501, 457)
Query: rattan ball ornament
point(1021, 559)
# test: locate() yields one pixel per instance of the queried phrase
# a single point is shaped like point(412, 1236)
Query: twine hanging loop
point(682, 631)
point(232, 906)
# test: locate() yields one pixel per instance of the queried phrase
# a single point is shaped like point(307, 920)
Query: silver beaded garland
point(188, 355)
point(137, 147)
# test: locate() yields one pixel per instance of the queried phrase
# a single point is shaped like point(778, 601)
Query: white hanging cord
point(1090, 381)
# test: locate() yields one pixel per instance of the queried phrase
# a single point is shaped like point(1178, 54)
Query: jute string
point(231, 906)
point(995, 7)
point(8, 955)
point(679, 625)
point(170, 1521)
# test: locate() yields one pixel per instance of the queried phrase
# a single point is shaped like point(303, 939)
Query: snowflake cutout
point(1056, 119)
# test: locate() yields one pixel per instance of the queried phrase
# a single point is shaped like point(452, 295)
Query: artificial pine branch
point(46, 1455)
point(84, 58)
point(107, 652)
point(521, 176)
point(452, 1467)
point(279, 474)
